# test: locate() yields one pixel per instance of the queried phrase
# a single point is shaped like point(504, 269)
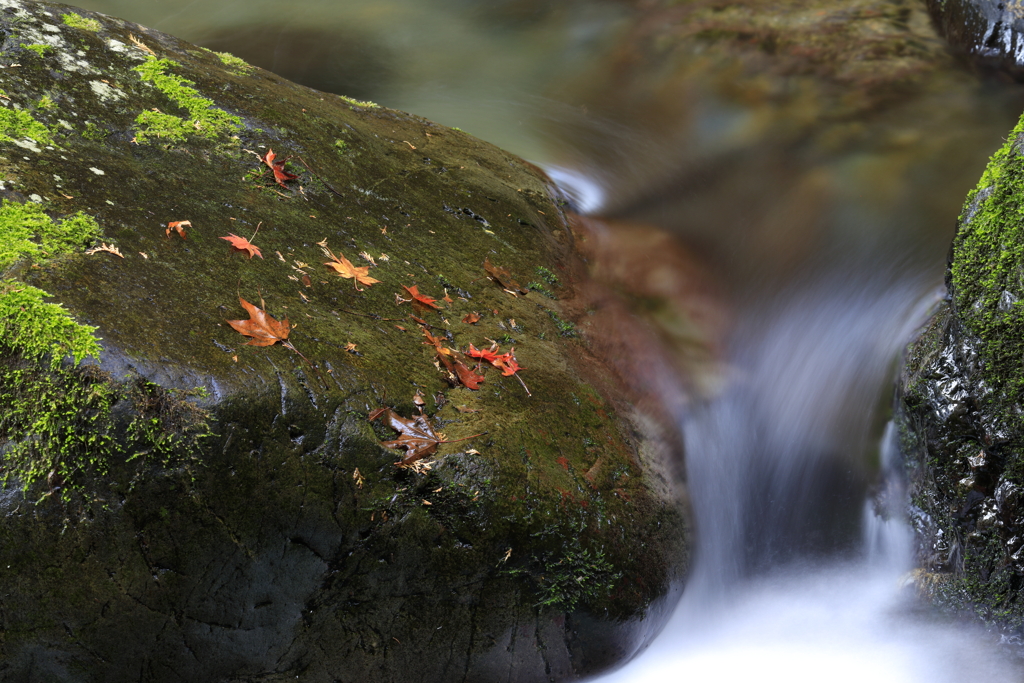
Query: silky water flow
point(797, 576)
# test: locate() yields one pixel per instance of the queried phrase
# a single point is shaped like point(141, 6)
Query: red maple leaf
point(242, 244)
point(280, 175)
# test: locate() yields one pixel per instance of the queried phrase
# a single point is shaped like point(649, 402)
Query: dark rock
point(181, 506)
point(990, 34)
point(959, 410)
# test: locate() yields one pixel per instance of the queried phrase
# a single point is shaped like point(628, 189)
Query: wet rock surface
point(988, 33)
point(180, 505)
point(959, 415)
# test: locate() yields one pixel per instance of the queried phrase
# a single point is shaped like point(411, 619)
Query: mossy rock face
point(180, 505)
point(959, 409)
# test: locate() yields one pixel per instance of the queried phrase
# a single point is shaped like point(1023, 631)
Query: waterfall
point(797, 573)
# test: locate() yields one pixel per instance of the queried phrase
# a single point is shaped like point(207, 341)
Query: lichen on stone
point(205, 120)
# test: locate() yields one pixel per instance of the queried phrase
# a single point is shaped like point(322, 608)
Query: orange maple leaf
point(241, 244)
point(344, 268)
point(178, 227)
point(280, 175)
point(422, 299)
point(471, 318)
point(264, 329)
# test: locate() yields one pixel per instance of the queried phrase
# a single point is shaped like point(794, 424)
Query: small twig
point(318, 176)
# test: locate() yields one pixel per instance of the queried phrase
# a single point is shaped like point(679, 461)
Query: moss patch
point(987, 273)
point(205, 120)
point(37, 329)
point(26, 230)
point(17, 124)
point(78, 21)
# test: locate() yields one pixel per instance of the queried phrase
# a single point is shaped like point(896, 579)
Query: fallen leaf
point(351, 347)
point(503, 277)
point(469, 379)
point(417, 437)
point(241, 244)
point(421, 299)
point(344, 268)
point(464, 409)
point(358, 478)
point(366, 257)
point(178, 227)
point(277, 166)
point(471, 318)
point(506, 362)
point(264, 329)
point(108, 248)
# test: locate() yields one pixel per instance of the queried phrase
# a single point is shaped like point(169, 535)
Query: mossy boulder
point(179, 504)
point(987, 33)
point(959, 409)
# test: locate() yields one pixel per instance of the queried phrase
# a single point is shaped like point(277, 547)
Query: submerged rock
point(959, 409)
point(183, 504)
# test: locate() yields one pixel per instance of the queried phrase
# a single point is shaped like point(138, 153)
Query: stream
point(830, 259)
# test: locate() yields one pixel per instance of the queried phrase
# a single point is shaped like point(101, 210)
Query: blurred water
point(831, 257)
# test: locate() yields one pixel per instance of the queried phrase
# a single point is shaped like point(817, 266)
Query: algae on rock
point(228, 512)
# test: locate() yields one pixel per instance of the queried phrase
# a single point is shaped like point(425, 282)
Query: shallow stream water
point(830, 261)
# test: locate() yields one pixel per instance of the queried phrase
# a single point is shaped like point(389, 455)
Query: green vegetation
point(205, 120)
point(360, 103)
point(547, 276)
point(80, 22)
point(234, 62)
point(93, 132)
point(39, 48)
point(988, 292)
point(18, 124)
point(46, 102)
point(565, 328)
point(39, 330)
point(26, 230)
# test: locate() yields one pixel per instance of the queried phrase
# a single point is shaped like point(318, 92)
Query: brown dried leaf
point(503, 277)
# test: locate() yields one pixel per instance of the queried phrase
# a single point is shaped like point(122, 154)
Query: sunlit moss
point(26, 230)
point(205, 120)
point(78, 21)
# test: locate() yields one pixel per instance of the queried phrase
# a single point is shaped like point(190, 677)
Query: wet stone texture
point(987, 33)
point(182, 506)
point(959, 411)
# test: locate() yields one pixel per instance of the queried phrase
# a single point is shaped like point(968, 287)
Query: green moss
point(547, 276)
point(39, 48)
point(360, 103)
point(80, 22)
point(93, 132)
point(341, 146)
point(37, 329)
point(17, 124)
point(234, 62)
point(565, 328)
point(46, 103)
point(64, 424)
point(987, 272)
point(26, 230)
point(205, 120)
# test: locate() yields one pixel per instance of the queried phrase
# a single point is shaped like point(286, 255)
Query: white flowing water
point(781, 590)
